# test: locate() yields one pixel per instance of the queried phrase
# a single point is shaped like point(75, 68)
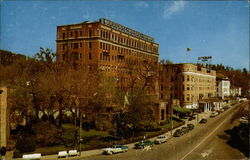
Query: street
point(206, 141)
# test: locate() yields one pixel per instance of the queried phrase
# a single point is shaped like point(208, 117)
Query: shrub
point(109, 139)
point(3, 151)
point(107, 125)
point(177, 119)
point(46, 134)
point(26, 143)
point(17, 154)
point(163, 123)
point(88, 125)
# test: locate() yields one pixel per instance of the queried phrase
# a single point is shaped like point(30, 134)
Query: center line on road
point(203, 140)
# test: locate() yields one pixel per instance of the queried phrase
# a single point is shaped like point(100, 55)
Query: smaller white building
point(235, 91)
point(223, 87)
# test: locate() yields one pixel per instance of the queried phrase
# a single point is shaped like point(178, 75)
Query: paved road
point(206, 141)
point(216, 146)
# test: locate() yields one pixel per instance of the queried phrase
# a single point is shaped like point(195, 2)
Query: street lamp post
point(80, 134)
point(80, 139)
point(197, 100)
point(171, 119)
point(26, 103)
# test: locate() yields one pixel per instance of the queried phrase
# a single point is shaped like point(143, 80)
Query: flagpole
point(187, 55)
point(188, 49)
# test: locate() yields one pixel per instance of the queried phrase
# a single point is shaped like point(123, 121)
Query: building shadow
point(238, 138)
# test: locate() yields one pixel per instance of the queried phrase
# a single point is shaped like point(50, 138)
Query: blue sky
point(218, 28)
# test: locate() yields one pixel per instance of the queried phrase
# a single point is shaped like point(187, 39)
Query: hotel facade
point(112, 48)
point(106, 45)
point(188, 83)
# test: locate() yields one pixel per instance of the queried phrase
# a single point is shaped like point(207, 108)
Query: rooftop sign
point(205, 58)
point(126, 30)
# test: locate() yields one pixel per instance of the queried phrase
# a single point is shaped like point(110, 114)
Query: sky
point(210, 28)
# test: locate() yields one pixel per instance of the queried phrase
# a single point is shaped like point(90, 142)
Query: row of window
point(187, 78)
point(187, 87)
point(122, 59)
point(112, 37)
point(186, 98)
point(66, 46)
point(76, 33)
point(103, 57)
point(108, 47)
point(126, 41)
point(190, 78)
point(75, 56)
point(105, 46)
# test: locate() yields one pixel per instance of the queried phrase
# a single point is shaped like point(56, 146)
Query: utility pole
point(171, 119)
point(171, 106)
point(80, 140)
point(197, 100)
point(26, 102)
point(198, 112)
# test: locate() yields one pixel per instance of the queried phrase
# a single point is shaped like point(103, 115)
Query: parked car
point(226, 107)
point(183, 117)
point(244, 120)
point(191, 118)
point(190, 126)
point(214, 114)
point(203, 120)
point(117, 148)
point(161, 139)
point(178, 133)
point(143, 144)
point(219, 111)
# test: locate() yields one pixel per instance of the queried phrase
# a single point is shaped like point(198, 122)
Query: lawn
point(168, 125)
point(92, 139)
point(90, 133)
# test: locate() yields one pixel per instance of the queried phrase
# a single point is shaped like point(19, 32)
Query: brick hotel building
point(188, 83)
point(108, 46)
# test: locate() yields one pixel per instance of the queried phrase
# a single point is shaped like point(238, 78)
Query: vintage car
point(117, 148)
point(203, 120)
point(161, 139)
point(214, 114)
point(143, 144)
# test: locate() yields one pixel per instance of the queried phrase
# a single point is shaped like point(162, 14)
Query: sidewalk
point(131, 145)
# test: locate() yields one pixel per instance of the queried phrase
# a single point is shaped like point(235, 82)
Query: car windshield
point(116, 146)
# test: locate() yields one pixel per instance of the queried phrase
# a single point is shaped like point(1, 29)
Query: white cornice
point(199, 74)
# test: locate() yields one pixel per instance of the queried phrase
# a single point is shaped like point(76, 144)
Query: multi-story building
point(223, 86)
point(235, 91)
point(106, 45)
point(113, 48)
point(186, 82)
